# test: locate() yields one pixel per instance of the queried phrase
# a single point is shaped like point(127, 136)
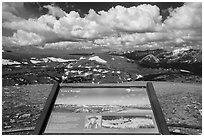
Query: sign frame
point(46, 112)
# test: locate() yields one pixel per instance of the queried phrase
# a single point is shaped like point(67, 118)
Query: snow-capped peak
point(150, 58)
point(98, 59)
point(180, 50)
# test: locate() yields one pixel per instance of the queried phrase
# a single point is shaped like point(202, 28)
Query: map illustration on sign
point(102, 110)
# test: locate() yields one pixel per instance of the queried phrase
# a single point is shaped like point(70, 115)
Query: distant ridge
point(82, 54)
point(149, 59)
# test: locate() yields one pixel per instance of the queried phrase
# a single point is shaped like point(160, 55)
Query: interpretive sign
point(102, 109)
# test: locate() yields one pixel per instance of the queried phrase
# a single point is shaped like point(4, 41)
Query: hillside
point(155, 65)
point(182, 58)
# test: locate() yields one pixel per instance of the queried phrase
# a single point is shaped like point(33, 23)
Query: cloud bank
point(118, 27)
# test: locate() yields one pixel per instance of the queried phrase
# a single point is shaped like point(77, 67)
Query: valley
point(107, 67)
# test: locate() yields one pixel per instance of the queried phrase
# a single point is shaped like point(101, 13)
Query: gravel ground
point(181, 104)
point(21, 106)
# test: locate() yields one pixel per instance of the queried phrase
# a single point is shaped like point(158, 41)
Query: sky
point(115, 96)
point(105, 25)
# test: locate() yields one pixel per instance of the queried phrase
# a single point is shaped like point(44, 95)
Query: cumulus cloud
point(58, 45)
point(146, 37)
point(185, 23)
point(118, 27)
point(68, 45)
point(144, 18)
point(32, 26)
point(73, 26)
point(55, 11)
point(189, 16)
point(70, 26)
point(127, 40)
point(23, 38)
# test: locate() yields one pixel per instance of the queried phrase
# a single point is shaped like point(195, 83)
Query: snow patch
point(25, 62)
point(138, 76)
point(82, 58)
point(100, 70)
point(74, 71)
point(9, 62)
point(128, 89)
point(72, 60)
point(88, 67)
point(70, 65)
point(98, 59)
point(186, 71)
point(129, 79)
point(35, 61)
point(95, 70)
point(88, 73)
point(45, 60)
point(118, 72)
point(106, 71)
point(180, 50)
point(150, 58)
point(64, 77)
point(57, 59)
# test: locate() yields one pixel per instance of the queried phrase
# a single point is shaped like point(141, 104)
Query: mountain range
point(183, 65)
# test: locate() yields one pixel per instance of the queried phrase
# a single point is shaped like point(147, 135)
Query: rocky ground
point(182, 106)
point(21, 107)
point(180, 102)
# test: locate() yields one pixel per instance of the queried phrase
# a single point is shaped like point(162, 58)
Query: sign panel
point(102, 110)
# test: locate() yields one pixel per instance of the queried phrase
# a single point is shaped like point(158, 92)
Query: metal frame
point(159, 116)
point(44, 117)
point(45, 114)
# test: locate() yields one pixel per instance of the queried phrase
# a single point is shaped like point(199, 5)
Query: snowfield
point(25, 62)
point(82, 58)
point(98, 59)
point(59, 59)
point(35, 61)
point(50, 59)
point(9, 62)
point(54, 59)
point(138, 76)
point(186, 71)
point(180, 51)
